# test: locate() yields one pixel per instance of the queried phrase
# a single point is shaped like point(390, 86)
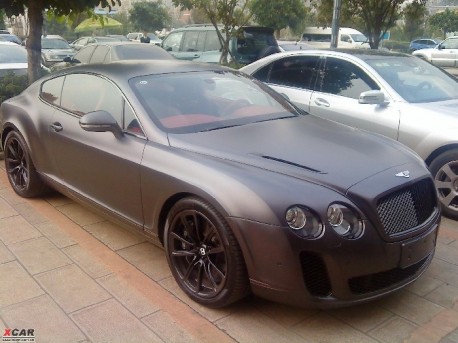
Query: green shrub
point(11, 85)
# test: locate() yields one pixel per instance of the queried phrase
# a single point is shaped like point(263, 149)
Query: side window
point(345, 38)
point(172, 41)
point(263, 73)
point(345, 79)
point(212, 41)
point(296, 71)
point(190, 41)
point(86, 93)
point(99, 54)
point(131, 123)
point(84, 55)
point(82, 41)
point(51, 90)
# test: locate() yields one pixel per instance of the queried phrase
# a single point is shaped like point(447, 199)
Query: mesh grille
point(374, 282)
point(407, 208)
point(315, 274)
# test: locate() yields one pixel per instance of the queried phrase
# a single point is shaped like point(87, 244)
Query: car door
point(97, 165)
point(172, 43)
point(192, 45)
point(336, 98)
point(293, 77)
point(446, 53)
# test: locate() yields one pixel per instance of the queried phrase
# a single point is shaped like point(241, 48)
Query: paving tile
point(55, 234)
point(71, 288)
point(16, 229)
point(247, 324)
point(30, 214)
point(444, 271)
point(167, 329)
point(114, 236)
point(211, 314)
point(412, 307)
point(128, 296)
point(424, 285)
point(451, 338)
point(6, 210)
point(5, 254)
point(363, 317)
point(149, 259)
point(396, 330)
point(18, 286)
point(57, 199)
point(447, 253)
point(445, 240)
point(10, 196)
point(317, 329)
point(79, 214)
point(445, 295)
point(49, 322)
point(124, 327)
point(89, 263)
point(39, 255)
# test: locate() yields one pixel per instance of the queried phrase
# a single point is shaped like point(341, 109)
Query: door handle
point(56, 127)
point(322, 102)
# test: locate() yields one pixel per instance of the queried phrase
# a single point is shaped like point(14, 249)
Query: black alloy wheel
point(19, 167)
point(204, 255)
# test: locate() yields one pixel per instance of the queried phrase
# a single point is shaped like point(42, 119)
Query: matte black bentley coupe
point(245, 192)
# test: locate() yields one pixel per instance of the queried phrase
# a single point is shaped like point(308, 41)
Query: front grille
point(315, 274)
point(407, 208)
point(374, 282)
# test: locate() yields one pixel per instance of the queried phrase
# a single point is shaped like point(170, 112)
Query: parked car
point(245, 191)
point(445, 54)
point(285, 45)
point(54, 49)
point(113, 51)
point(200, 43)
point(118, 37)
point(422, 43)
point(8, 37)
point(84, 41)
point(13, 59)
point(136, 36)
point(397, 95)
point(320, 38)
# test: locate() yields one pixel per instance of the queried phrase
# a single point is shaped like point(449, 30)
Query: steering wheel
point(426, 85)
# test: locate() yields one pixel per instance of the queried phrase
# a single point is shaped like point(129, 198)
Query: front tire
point(444, 169)
point(21, 172)
point(203, 254)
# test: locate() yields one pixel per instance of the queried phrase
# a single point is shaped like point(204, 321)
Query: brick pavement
point(72, 276)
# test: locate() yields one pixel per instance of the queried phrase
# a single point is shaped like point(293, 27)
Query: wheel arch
point(439, 151)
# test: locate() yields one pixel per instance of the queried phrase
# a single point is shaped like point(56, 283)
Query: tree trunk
point(33, 44)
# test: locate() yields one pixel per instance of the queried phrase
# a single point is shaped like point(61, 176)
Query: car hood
point(304, 147)
point(59, 51)
point(447, 109)
point(427, 51)
point(13, 66)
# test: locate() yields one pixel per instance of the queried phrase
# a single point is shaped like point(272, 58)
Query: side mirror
point(440, 47)
point(100, 121)
point(67, 59)
point(374, 97)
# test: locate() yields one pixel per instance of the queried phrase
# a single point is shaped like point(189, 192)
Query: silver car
point(444, 54)
point(397, 95)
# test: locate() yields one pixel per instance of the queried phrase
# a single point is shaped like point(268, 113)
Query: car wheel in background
point(445, 172)
point(20, 169)
point(204, 255)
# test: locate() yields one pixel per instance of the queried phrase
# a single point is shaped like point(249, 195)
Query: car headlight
point(345, 222)
point(304, 222)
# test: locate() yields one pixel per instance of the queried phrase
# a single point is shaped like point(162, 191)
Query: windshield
point(12, 54)
point(415, 80)
point(202, 101)
point(359, 37)
point(54, 43)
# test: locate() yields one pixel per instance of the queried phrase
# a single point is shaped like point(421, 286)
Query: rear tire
point(203, 254)
point(21, 172)
point(444, 169)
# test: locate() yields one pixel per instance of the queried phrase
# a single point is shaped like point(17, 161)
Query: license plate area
point(417, 249)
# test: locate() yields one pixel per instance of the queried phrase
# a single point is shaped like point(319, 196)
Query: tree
point(34, 10)
point(149, 16)
point(266, 13)
point(446, 21)
point(375, 16)
point(414, 19)
point(229, 13)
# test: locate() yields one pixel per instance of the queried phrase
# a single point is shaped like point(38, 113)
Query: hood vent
point(292, 164)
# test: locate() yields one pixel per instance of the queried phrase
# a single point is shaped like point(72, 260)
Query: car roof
point(361, 53)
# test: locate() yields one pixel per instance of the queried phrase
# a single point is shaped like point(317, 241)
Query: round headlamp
point(304, 222)
point(344, 221)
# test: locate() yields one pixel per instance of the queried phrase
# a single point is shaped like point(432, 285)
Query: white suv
point(444, 55)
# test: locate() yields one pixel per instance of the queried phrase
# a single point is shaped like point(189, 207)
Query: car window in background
point(140, 51)
point(451, 43)
point(100, 54)
point(51, 90)
point(84, 55)
point(10, 53)
point(193, 41)
point(173, 41)
point(345, 79)
point(212, 41)
point(416, 80)
point(295, 71)
point(54, 43)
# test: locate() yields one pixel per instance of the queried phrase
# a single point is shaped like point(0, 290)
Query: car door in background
point(336, 97)
point(446, 53)
point(97, 164)
point(293, 77)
